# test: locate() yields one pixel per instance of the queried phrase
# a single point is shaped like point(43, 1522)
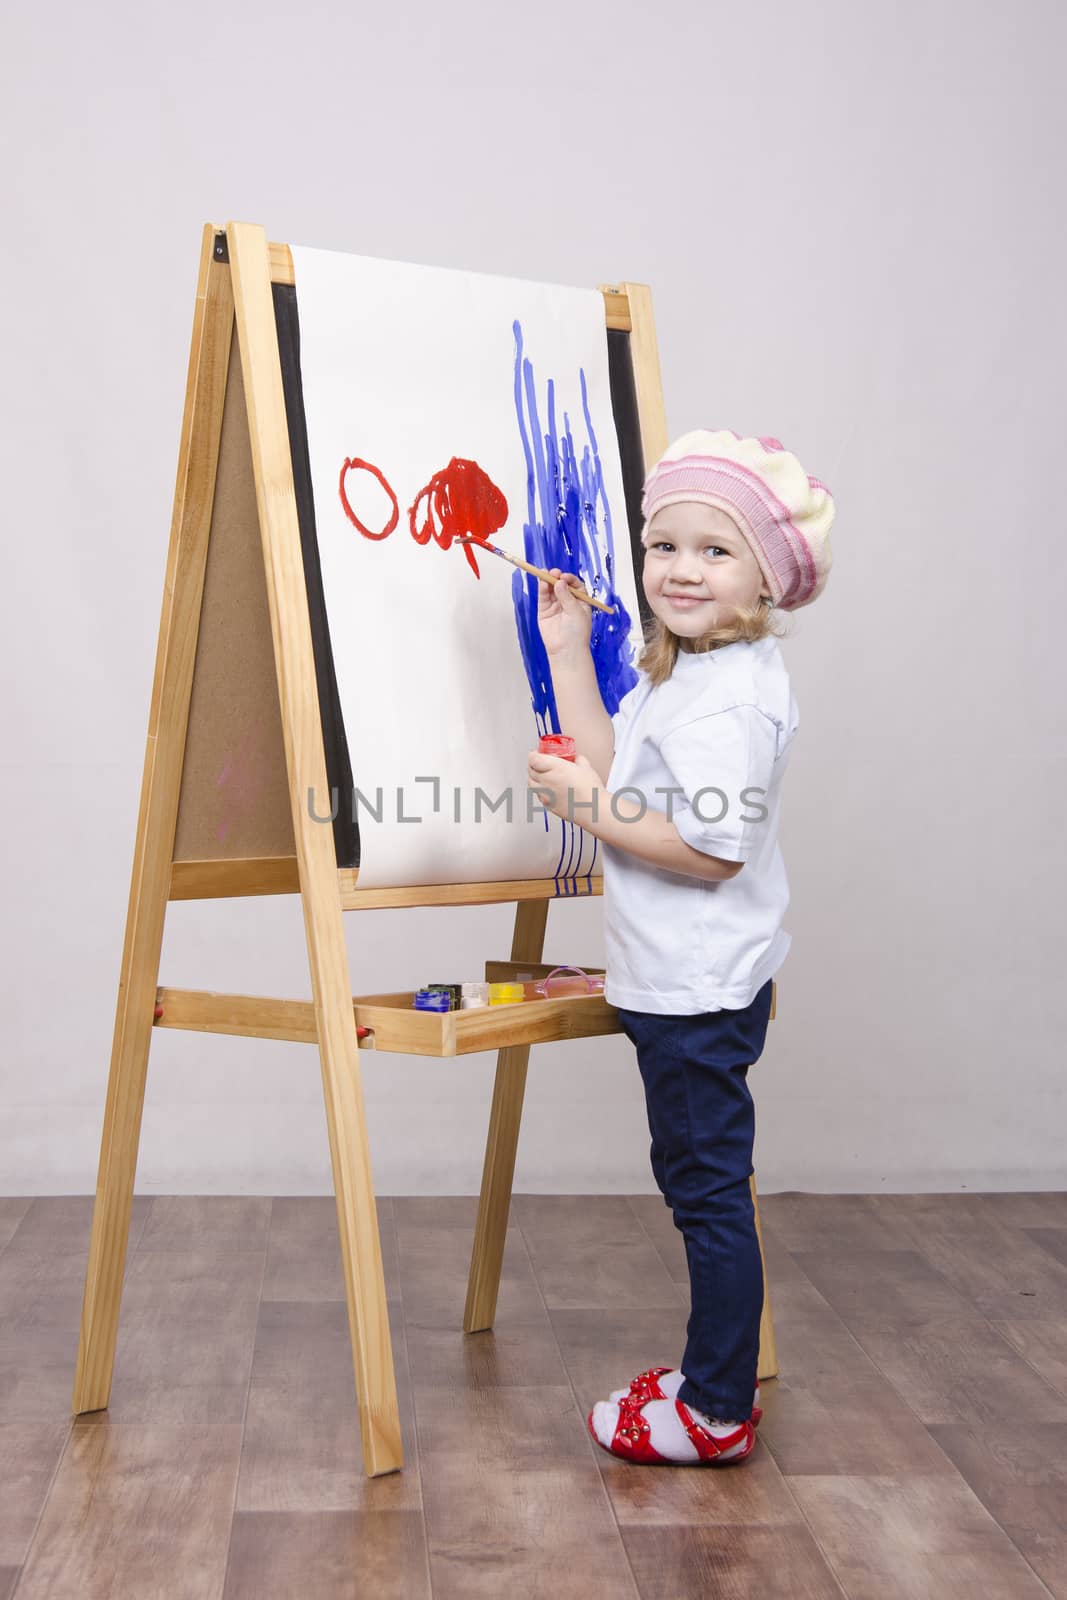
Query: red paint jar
point(557, 744)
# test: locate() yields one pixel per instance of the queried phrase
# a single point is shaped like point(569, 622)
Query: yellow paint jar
point(505, 994)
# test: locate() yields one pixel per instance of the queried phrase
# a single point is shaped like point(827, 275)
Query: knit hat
point(784, 515)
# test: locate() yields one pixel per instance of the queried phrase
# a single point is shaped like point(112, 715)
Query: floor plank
point(42, 1281)
point(327, 1555)
point(1054, 1240)
point(514, 1352)
point(137, 1512)
point(831, 1409)
point(186, 1334)
point(525, 1509)
point(897, 1285)
point(12, 1211)
point(1020, 1475)
point(1019, 1208)
point(434, 1266)
point(200, 1222)
point(1043, 1345)
point(412, 1211)
point(301, 1445)
point(913, 1537)
point(40, 1311)
point(853, 1222)
point(60, 1224)
point(30, 1453)
point(585, 1252)
point(1002, 1272)
point(736, 1562)
point(958, 1369)
point(834, 1418)
point(304, 1252)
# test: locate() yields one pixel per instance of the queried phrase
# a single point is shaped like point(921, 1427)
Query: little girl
point(682, 787)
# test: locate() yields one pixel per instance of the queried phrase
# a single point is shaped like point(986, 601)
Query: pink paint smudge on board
point(241, 780)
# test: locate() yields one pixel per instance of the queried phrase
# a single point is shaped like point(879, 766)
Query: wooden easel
point(235, 595)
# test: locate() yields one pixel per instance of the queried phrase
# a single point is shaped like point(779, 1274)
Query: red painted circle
point(353, 464)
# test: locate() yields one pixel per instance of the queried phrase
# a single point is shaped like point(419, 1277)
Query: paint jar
point(564, 981)
point(431, 1000)
point(454, 992)
point(557, 744)
point(506, 994)
point(474, 995)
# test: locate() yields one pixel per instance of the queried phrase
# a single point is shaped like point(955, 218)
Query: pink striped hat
point(784, 514)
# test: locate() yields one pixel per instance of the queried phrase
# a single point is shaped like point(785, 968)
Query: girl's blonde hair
point(662, 646)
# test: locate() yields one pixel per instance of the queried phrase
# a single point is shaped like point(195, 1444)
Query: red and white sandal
point(632, 1432)
point(646, 1387)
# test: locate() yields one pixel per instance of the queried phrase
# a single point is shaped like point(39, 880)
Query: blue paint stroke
point(566, 505)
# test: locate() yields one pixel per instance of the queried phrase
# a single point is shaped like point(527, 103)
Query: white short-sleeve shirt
point(709, 749)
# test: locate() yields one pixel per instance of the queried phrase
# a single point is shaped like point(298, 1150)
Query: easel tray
point(398, 1026)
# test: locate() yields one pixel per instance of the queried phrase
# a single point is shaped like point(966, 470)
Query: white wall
point(851, 217)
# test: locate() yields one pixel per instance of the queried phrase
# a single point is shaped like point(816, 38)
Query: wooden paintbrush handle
point(579, 594)
point(538, 572)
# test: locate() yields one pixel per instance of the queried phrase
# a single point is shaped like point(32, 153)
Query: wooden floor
point(915, 1443)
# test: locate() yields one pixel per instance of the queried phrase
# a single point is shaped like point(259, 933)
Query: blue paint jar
point(432, 1000)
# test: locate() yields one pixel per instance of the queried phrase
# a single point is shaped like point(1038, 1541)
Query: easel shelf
point(395, 1025)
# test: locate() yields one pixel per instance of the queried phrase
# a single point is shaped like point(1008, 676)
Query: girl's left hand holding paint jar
point(572, 785)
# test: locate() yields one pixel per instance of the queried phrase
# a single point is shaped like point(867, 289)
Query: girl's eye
point(665, 544)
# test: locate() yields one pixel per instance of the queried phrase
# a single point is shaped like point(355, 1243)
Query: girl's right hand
point(565, 624)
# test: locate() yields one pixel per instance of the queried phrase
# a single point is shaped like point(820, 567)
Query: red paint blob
point(462, 498)
point(354, 464)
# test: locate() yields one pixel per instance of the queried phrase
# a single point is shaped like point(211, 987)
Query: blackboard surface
point(338, 761)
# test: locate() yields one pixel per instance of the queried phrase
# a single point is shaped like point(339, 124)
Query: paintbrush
point(538, 572)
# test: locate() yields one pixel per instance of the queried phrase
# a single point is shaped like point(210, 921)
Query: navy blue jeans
point(702, 1121)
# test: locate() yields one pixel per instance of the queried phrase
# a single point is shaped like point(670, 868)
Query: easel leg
point(118, 1159)
point(357, 1220)
point(357, 1226)
point(767, 1363)
point(487, 1257)
point(153, 850)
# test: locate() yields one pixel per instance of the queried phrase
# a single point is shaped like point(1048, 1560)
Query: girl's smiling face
point(698, 568)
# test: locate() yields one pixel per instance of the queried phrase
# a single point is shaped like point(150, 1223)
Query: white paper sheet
point(406, 368)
